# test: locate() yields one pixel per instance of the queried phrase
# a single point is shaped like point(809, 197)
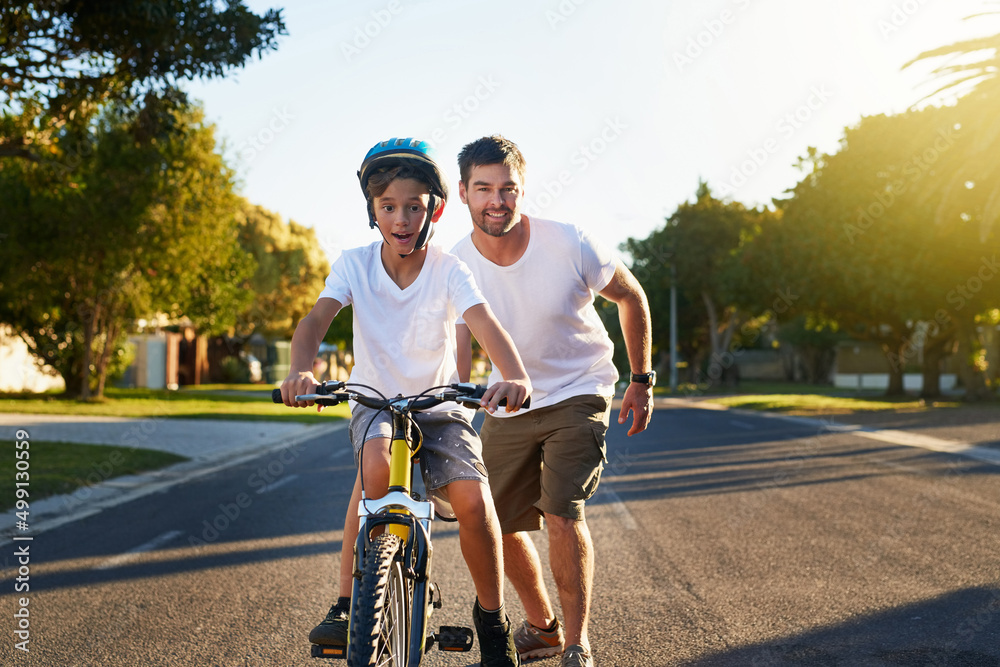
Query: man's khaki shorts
point(548, 460)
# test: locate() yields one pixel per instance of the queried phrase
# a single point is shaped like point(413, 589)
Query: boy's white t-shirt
point(545, 301)
point(404, 339)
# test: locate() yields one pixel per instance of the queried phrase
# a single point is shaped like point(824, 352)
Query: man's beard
point(496, 227)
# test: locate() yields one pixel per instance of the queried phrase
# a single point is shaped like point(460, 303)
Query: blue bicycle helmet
point(413, 153)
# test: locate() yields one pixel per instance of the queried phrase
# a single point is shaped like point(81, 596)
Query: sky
point(620, 108)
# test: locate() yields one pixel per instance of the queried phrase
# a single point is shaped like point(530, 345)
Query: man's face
point(494, 195)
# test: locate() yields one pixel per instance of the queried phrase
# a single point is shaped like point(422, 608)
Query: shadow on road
point(176, 561)
point(960, 629)
point(762, 455)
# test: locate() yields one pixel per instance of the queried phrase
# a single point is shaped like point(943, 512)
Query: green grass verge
point(188, 404)
point(63, 467)
point(802, 399)
point(765, 387)
point(821, 404)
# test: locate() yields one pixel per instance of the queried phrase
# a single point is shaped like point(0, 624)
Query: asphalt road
point(721, 539)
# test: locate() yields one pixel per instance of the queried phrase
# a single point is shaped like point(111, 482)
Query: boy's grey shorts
point(451, 449)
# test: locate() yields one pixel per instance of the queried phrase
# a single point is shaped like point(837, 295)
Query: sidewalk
point(200, 439)
point(211, 445)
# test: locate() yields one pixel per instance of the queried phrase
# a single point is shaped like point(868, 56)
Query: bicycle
point(392, 597)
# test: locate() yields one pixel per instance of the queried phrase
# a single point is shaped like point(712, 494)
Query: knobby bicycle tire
point(380, 615)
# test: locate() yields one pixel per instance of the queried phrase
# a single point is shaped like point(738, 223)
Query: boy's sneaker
point(332, 631)
point(534, 642)
point(576, 656)
point(496, 640)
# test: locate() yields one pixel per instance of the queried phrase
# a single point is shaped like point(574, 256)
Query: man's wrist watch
point(645, 378)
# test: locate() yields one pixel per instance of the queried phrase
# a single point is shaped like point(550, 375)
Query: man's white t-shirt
point(404, 339)
point(545, 301)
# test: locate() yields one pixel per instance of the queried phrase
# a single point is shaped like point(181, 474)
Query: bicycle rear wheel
point(380, 613)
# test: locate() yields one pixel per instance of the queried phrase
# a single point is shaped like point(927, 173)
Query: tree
point(969, 69)
point(291, 268)
point(62, 60)
point(815, 343)
point(702, 239)
point(651, 261)
point(865, 247)
point(959, 69)
point(134, 229)
point(972, 192)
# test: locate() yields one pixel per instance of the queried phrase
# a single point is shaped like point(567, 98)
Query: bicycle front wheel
point(380, 613)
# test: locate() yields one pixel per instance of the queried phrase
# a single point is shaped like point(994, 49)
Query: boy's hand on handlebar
point(515, 392)
point(297, 384)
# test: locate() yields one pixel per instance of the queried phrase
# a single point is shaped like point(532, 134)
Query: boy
point(402, 279)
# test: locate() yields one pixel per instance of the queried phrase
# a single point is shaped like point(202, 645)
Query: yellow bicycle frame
point(401, 456)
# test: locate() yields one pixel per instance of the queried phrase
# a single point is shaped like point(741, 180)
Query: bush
point(235, 370)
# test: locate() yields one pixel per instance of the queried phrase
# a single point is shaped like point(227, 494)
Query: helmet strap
point(428, 229)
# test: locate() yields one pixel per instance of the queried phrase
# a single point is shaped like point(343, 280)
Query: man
point(540, 277)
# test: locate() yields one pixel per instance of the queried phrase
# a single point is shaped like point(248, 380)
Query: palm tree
point(968, 174)
point(957, 70)
point(968, 69)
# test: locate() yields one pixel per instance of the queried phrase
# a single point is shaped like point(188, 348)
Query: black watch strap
point(645, 378)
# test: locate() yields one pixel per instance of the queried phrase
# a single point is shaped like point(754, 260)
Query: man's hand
point(515, 392)
point(639, 400)
point(297, 384)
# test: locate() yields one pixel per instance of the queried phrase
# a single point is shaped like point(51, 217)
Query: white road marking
point(133, 554)
point(339, 453)
point(277, 485)
point(904, 438)
point(984, 454)
point(615, 503)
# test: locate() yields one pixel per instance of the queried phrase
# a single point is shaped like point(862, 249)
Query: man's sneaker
point(496, 640)
point(533, 642)
point(332, 631)
point(576, 656)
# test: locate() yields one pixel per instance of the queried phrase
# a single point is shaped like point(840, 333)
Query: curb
point(50, 513)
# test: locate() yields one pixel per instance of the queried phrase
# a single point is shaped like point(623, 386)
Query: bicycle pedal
point(328, 651)
point(454, 638)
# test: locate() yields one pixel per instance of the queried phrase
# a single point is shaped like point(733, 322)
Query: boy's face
point(494, 195)
point(400, 212)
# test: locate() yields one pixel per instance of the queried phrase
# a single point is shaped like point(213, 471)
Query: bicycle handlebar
point(324, 389)
point(331, 393)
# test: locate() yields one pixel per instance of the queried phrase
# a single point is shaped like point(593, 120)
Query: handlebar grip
point(276, 394)
point(526, 404)
point(481, 390)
